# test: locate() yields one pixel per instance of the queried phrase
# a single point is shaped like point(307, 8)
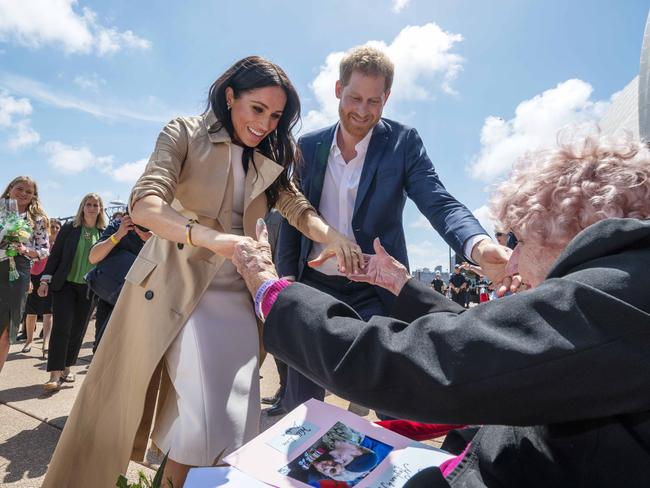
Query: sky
point(86, 86)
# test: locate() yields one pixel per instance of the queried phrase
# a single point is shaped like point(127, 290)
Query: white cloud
point(426, 254)
point(129, 172)
point(13, 113)
point(423, 62)
point(24, 135)
point(72, 160)
point(112, 110)
point(35, 23)
point(421, 223)
point(535, 124)
point(484, 217)
point(89, 82)
point(107, 196)
point(10, 107)
point(399, 5)
point(110, 41)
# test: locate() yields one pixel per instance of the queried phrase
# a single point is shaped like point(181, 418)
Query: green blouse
point(80, 264)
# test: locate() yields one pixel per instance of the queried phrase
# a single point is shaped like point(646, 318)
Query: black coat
point(561, 373)
point(62, 254)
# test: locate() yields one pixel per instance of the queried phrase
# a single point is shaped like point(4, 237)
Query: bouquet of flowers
point(14, 230)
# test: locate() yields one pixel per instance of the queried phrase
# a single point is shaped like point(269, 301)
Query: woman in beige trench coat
point(189, 177)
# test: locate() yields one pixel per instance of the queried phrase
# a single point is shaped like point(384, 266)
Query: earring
point(228, 105)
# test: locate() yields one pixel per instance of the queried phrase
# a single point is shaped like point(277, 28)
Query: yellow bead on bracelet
point(114, 239)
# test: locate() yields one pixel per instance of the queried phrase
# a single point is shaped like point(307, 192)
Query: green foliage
point(156, 482)
point(143, 481)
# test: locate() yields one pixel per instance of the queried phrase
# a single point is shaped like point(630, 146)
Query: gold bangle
point(114, 239)
point(188, 231)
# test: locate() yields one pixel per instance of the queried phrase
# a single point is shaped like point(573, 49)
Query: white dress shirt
point(339, 194)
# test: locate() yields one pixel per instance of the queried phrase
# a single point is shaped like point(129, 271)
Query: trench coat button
point(148, 295)
point(180, 246)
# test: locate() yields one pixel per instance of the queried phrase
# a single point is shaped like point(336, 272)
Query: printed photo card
point(320, 445)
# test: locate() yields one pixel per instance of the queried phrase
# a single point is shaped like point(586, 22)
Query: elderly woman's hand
point(348, 254)
point(253, 259)
point(383, 270)
point(493, 258)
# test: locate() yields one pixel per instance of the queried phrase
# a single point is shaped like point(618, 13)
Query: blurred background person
point(458, 286)
point(64, 278)
point(438, 284)
point(13, 293)
point(36, 304)
point(501, 236)
point(116, 248)
point(505, 238)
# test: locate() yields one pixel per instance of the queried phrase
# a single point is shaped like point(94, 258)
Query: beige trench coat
point(111, 419)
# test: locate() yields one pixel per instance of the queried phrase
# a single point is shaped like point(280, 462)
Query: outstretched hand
point(493, 258)
point(348, 254)
point(382, 269)
point(253, 259)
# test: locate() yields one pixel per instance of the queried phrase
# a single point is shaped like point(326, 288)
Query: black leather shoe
point(275, 410)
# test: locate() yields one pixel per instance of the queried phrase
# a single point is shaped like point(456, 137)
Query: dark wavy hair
point(246, 75)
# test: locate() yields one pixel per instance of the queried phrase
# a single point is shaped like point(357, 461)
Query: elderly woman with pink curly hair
point(558, 375)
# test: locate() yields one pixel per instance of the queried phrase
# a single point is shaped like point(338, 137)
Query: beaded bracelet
point(259, 297)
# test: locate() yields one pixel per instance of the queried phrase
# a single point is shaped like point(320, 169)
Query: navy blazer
point(396, 166)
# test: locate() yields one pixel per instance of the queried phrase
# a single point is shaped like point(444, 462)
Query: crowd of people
point(53, 266)
point(189, 294)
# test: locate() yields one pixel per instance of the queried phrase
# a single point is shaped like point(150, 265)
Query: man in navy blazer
point(358, 174)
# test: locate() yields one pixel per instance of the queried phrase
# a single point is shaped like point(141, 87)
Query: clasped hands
point(254, 262)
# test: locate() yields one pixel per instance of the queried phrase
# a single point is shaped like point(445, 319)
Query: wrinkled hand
point(253, 259)
point(348, 255)
point(383, 270)
point(493, 258)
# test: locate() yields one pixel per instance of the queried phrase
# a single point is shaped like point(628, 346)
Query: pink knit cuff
point(272, 294)
point(450, 464)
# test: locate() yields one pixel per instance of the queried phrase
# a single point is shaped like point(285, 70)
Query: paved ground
point(31, 419)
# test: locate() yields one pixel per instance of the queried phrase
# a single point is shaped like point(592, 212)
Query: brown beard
point(355, 130)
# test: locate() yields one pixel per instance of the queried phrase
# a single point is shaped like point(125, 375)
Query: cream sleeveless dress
point(213, 364)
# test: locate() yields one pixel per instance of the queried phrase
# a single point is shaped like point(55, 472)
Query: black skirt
point(13, 295)
point(38, 305)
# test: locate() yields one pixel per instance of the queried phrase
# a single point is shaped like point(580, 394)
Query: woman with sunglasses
point(64, 277)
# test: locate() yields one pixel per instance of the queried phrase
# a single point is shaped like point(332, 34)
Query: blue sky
point(85, 86)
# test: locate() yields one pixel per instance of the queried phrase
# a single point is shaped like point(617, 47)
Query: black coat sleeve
point(418, 299)
point(561, 352)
